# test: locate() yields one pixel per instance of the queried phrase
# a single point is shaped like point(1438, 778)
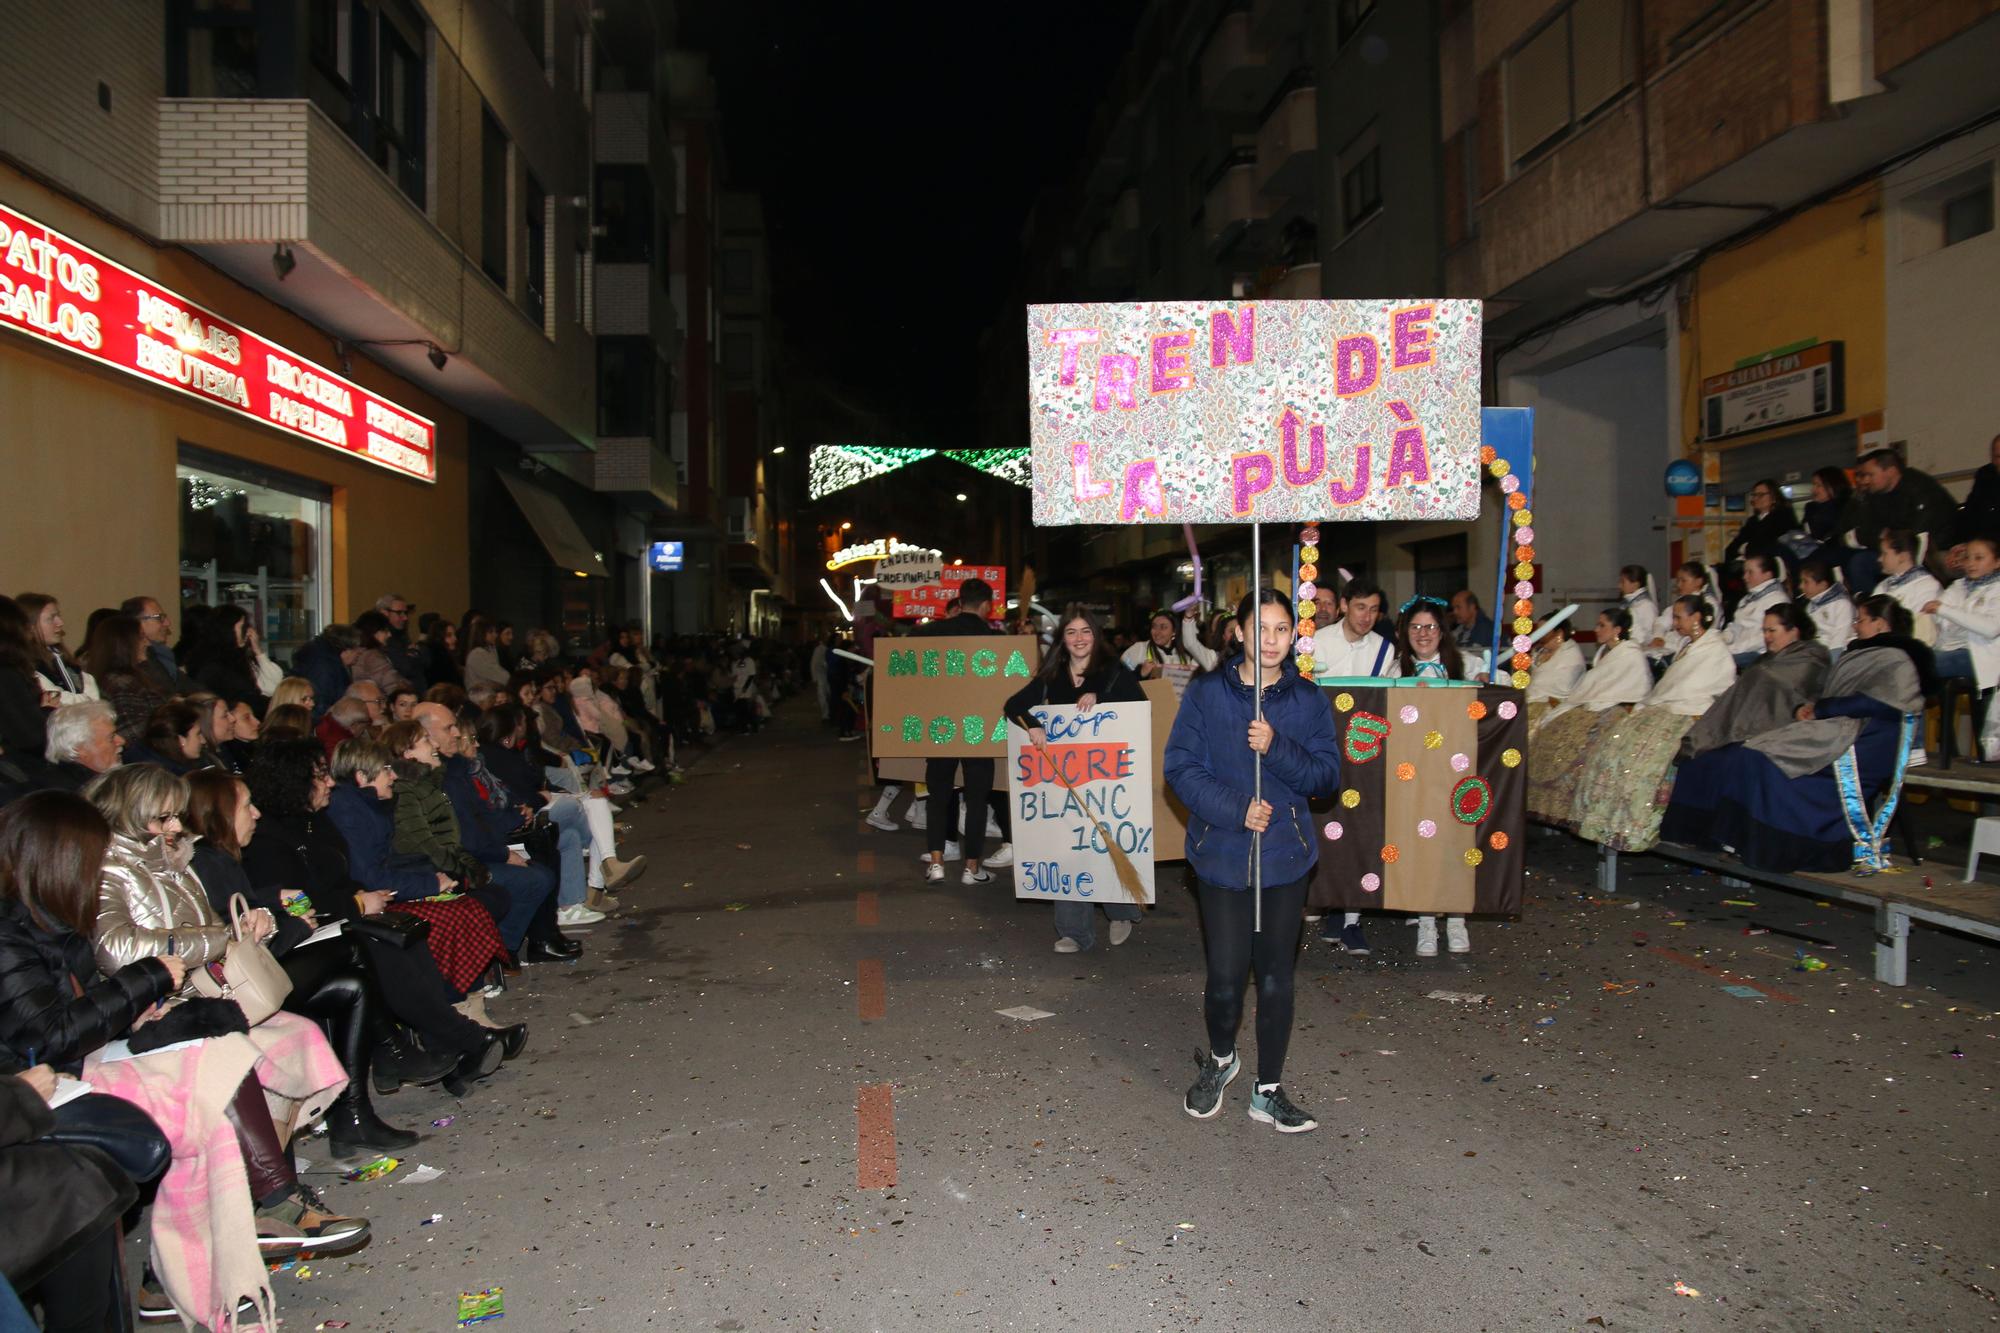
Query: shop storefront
point(170, 431)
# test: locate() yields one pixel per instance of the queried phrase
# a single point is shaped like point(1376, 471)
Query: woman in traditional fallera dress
point(1564, 735)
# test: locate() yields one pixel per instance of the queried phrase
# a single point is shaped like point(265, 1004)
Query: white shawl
point(1620, 675)
point(1697, 677)
point(1558, 677)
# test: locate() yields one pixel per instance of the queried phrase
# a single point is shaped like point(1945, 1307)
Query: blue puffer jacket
point(1209, 765)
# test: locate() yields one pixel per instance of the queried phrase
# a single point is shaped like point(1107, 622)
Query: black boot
point(353, 1128)
point(512, 1039)
point(399, 1060)
point(557, 950)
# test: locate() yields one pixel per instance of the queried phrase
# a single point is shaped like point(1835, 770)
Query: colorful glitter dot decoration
point(1516, 500)
point(1473, 856)
point(1498, 842)
point(1308, 571)
point(1334, 832)
point(1308, 665)
point(1460, 762)
point(1370, 883)
point(1524, 589)
point(1521, 641)
point(1306, 607)
point(1511, 757)
point(1486, 455)
point(1498, 467)
point(1471, 800)
point(1509, 484)
point(1308, 552)
point(1306, 589)
point(1524, 626)
point(1524, 607)
point(1409, 715)
point(1523, 519)
point(1390, 855)
point(1433, 740)
point(1365, 734)
point(1520, 680)
point(1524, 571)
point(1350, 798)
point(1475, 710)
point(1508, 710)
point(1406, 772)
point(1343, 701)
point(1427, 828)
point(1305, 645)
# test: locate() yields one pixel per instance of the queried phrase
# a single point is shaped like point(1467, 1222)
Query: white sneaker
point(950, 852)
point(1003, 855)
point(933, 871)
point(620, 771)
point(876, 819)
point(619, 788)
point(992, 825)
point(1120, 932)
point(1427, 937)
point(577, 914)
point(920, 816)
point(1067, 945)
point(641, 765)
point(1455, 938)
point(971, 876)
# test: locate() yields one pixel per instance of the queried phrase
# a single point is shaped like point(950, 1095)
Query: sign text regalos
point(69, 296)
point(1206, 412)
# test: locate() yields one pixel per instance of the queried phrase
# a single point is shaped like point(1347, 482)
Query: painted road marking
point(871, 991)
point(864, 861)
point(867, 908)
point(1687, 961)
point(875, 1136)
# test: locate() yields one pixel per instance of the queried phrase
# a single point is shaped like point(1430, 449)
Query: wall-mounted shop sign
point(69, 296)
point(666, 557)
point(879, 549)
point(1792, 386)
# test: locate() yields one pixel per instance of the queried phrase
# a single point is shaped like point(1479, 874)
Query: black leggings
point(1234, 949)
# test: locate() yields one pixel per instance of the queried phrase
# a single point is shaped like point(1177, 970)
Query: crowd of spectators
point(401, 820)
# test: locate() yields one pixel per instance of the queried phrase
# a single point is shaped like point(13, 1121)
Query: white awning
point(556, 526)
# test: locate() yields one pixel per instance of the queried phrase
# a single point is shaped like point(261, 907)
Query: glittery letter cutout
point(1142, 491)
point(999, 736)
point(1170, 362)
point(954, 662)
point(942, 731)
point(974, 729)
point(1069, 340)
point(931, 670)
point(1079, 466)
point(1249, 477)
point(1288, 430)
point(1365, 734)
point(1017, 665)
point(1410, 338)
point(985, 663)
point(902, 661)
point(1117, 381)
point(913, 727)
point(1232, 339)
point(1357, 363)
point(1340, 492)
point(1408, 459)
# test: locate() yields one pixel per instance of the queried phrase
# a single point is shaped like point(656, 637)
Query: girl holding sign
point(1211, 762)
point(1085, 672)
point(1424, 650)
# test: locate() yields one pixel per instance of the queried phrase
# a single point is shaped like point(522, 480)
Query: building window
point(493, 214)
point(739, 355)
point(534, 286)
point(1566, 72)
point(1349, 16)
point(1969, 214)
point(625, 387)
point(739, 272)
point(401, 98)
point(217, 47)
point(258, 540)
point(528, 18)
point(1156, 252)
point(330, 36)
point(1359, 171)
point(1947, 213)
point(624, 215)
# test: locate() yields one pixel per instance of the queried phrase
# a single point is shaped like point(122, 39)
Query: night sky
point(898, 162)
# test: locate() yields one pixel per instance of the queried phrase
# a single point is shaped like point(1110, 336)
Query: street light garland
point(835, 467)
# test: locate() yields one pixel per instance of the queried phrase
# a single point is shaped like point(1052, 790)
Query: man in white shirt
point(1352, 646)
point(1744, 634)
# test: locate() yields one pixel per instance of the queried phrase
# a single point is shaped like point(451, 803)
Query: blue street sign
point(665, 557)
point(1683, 478)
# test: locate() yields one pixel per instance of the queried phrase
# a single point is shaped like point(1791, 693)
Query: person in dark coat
point(1979, 516)
point(324, 660)
point(220, 658)
point(1771, 517)
point(975, 605)
point(1892, 498)
point(408, 659)
point(22, 715)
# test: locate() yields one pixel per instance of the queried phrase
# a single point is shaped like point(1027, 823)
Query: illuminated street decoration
point(835, 467)
point(879, 549)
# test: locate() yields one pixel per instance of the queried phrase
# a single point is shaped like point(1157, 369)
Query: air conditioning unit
point(741, 520)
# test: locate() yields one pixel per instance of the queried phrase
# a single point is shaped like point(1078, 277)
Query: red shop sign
point(917, 603)
point(69, 296)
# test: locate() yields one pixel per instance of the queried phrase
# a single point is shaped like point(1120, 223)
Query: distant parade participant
point(1424, 650)
point(975, 602)
point(1211, 761)
point(1082, 670)
point(1160, 649)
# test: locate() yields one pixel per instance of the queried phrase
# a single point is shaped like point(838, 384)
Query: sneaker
point(642, 765)
point(577, 914)
point(620, 788)
point(1455, 938)
point(1313, 918)
point(1275, 1109)
point(620, 771)
point(1204, 1099)
point(920, 815)
point(971, 876)
point(1064, 944)
point(877, 819)
point(1003, 855)
point(1120, 932)
point(1427, 937)
point(277, 1238)
point(617, 874)
point(933, 871)
point(992, 825)
point(843, 736)
point(155, 1308)
point(1351, 940)
point(323, 1230)
point(950, 852)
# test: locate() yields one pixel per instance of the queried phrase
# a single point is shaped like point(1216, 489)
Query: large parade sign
point(942, 698)
point(68, 296)
point(1203, 412)
point(1083, 805)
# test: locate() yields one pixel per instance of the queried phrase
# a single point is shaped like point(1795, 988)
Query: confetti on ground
point(443, 1122)
point(432, 1220)
point(376, 1169)
point(1457, 997)
point(1683, 1289)
point(736, 907)
point(1024, 1012)
point(479, 1307)
point(423, 1175)
point(1738, 902)
point(1743, 992)
point(580, 1020)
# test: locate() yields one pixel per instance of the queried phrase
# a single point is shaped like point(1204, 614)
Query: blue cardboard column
point(1510, 433)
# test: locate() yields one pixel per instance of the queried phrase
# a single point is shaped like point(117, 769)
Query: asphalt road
point(680, 1148)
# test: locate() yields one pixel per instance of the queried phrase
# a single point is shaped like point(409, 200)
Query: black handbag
point(119, 1130)
point(397, 930)
point(543, 841)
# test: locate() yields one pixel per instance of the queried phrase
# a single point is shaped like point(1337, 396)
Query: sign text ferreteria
point(69, 296)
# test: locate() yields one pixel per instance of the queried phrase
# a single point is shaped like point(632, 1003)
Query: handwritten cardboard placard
point(931, 601)
point(1206, 412)
point(942, 698)
point(1089, 789)
point(1170, 813)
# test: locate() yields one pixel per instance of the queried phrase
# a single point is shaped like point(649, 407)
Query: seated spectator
point(115, 653)
point(482, 656)
point(221, 659)
point(1692, 579)
point(1768, 691)
point(1967, 615)
point(440, 655)
point(159, 662)
point(1830, 493)
point(600, 716)
point(83, 741)
point(1763, 588)
point(374, 664)
point(327, 661)
point(1775, 800)
point(172, 739)
point(1828, 604)
point(1905, 560)
point(23, 700)
point(406, 659)
point(1560, 664)
point(287, 722)
point(450, 697)
point(403, 703)
point(218, 727)
point(1353, 645)
point(484, 695)
point(1892, 498)
point(1471, 627)
point(55, 669)
point(1637, 598)
point(347, 718)
point(1771, 519)
point(1979, 516)
point(296, 690)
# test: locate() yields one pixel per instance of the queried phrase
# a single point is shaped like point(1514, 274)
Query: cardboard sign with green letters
point(942, 698)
